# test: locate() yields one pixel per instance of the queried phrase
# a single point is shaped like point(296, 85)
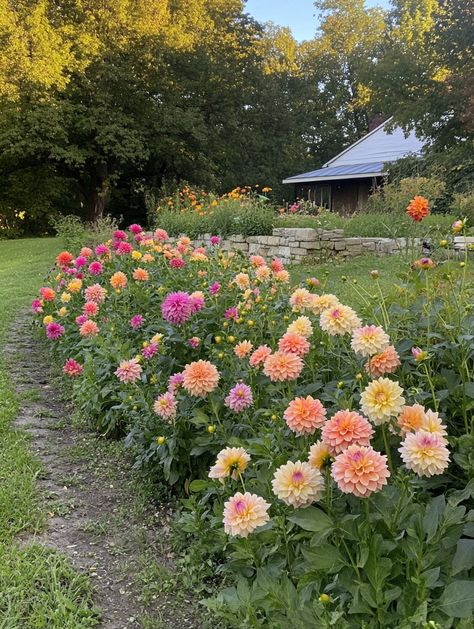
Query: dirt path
point(94, 516)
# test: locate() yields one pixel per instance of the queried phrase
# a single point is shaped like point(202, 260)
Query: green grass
point(374, 224)
point(38, 588)
point(351, 280)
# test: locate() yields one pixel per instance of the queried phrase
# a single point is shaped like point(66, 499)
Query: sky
point(299, 15)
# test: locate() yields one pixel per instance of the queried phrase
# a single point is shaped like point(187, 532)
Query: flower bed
point(259, 399)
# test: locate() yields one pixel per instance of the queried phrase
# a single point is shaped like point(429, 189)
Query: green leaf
point(464, 557)
point(433, 514)
point(323, 557)
point(457, 599)
point(198, 485)
point(312, 519)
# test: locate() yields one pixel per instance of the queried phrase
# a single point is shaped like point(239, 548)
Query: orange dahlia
point(385, 362)
point(418, 208)
point(282, 366)
point(305, 415)
point(200, 377)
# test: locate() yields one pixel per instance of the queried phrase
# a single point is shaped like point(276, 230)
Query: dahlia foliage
point(267, 398)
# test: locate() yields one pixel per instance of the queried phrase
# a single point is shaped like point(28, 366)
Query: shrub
point(75, 233)
point(393, 197)
point(261, 399)
point(193, 213)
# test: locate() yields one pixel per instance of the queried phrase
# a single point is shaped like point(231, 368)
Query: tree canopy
point(103, 101)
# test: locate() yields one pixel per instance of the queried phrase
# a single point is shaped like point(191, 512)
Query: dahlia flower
point(215, 240)
point(102, 250)
point(160, 235)
point(242, 349)
point(242, 280)
point(175, 381)
point(260, 355)
point(381, 400)
point(339, 320)
point(301, 299)
point(165, 406)
point(282, 276)
point(425, 453)
point(72, 368)
point(320, 303)
point(277, 265)
point(118, 280)
point(95, 268)
point(418, 208)
point(54, 331)
point(150, 350)
point(128, 370)
point(257, 261)
point(301, 326)
point(47, 293)
point(136, 321)
point(240, 397)
point(64, 258)
point(432, 423)
point(95, 293)
point(369, 340)
point(294, 344)
point(135, 228)
point(214, 288)
point(243, 513)
point(140, 275)
point(231, 313)
point(177, 263)
point(360, 470)
point(282, 366)
point(123, 248)
point(230, 462)
point(86, 252)
point(177, 307)
point(386, 362)
point(197, 301)
point(119, 234)
point(411, 418)
point(90, 308)
point(89, 328)
point(263, 273)
point(318, 455)
point(200, 377)
point(304, 415)
point(344, 429)
point(298, 484)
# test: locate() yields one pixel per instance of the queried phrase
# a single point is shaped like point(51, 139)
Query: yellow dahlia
point(339, 320)
point(381, 400)
point(301, 326)
point(369, 340)
point(230, 462)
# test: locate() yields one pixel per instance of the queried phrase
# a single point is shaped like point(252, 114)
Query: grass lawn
point(351, 280)
point(38, 587)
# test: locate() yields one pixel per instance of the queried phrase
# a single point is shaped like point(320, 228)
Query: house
point(345, 182)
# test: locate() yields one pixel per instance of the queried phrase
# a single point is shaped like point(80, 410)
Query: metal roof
point(346, 171)
point(366, 157)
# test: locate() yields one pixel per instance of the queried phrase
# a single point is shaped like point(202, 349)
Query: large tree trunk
point(97, 193)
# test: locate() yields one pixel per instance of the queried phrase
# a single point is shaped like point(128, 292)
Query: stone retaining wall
point(296, 243)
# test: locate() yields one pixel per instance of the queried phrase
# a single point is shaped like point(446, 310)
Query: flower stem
point(387, 449)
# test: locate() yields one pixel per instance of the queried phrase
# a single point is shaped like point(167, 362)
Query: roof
point(366, 157)
point(349, 171)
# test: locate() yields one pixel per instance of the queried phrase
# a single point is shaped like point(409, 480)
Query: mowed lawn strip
point(38, 587)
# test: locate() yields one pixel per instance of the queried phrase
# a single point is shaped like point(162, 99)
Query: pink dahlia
point(346, 428)
point(150, 350)
point(54, 331)
point(240, 397)
point(119, 234)
point(102, 250)
point(136, 321)
point(95, 268)
point(128, 370)
point(72, 368)
point(177, 263)
point(36, 306)
point(90, 308)
point(95, 293)
point(80, 261)
point(214, 288)
point(124, 248)
point(259, 356)
point(135, 228)
point(197, 301)
point(215, 240)
point(294, 343)
point(165, 406)
point(360, 470)
point(231, 313)
point(177, 307)
point(175, 381)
